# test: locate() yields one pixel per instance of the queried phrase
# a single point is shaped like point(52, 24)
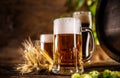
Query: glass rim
point(46, 38)
point(82, 12)
point(65, 18)
point(46, 34)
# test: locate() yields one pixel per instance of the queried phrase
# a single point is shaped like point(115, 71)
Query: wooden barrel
point(108, 27)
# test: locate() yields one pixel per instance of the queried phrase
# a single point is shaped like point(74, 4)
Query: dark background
point(20, 19)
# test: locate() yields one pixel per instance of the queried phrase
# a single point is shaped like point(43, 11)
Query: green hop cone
point(106, 73)
point(75, 75)
point(117, 73)
point(94, 74)
point(85, 76)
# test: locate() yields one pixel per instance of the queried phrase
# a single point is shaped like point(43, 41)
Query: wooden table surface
point(12, 58)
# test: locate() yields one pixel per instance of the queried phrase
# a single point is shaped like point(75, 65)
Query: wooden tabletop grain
point(10, 57)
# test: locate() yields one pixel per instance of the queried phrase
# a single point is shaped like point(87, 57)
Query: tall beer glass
point(67, 53)
point(86, 21)
point(46, 43)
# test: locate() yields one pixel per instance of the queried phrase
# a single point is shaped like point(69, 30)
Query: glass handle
point(86, 29)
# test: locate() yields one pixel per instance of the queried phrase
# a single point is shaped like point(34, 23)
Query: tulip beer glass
point(67, 52)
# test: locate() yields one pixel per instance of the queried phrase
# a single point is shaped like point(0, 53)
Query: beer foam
point(67, 25)
point(46, 38)
point(85, 17)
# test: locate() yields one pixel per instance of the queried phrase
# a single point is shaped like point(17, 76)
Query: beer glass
point(67, 52)
point(46, 43)
point(86, 21)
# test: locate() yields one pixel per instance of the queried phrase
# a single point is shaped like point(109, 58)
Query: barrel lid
point(108, 27)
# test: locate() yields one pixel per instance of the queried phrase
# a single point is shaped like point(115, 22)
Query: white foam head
point(67, 25)
point(47, 38)
point(85, 17)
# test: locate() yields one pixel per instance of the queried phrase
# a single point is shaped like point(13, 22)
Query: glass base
point(67, 70)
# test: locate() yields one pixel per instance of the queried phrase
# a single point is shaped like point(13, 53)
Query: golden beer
point(46, 43)
point(65, 54)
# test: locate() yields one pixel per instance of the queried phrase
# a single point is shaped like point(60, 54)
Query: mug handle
point(87, 29)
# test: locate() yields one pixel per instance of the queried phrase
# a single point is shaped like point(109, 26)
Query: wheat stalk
point(35, 59)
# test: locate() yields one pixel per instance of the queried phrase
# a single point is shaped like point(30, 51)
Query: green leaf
point(79, 3)
point(89, 2)
point(74, 4)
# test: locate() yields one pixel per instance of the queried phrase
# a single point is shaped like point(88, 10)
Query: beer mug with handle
point(86, 21)
point(67, 43)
